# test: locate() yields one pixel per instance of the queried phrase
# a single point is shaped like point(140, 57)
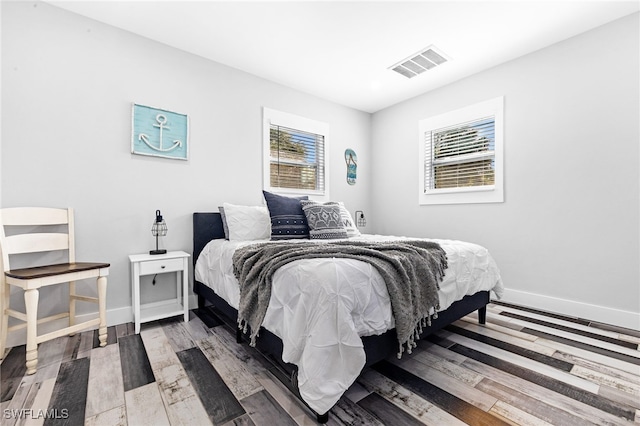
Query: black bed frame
point(208, 226)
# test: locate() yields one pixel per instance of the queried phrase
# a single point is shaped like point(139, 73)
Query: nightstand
point(148, 264)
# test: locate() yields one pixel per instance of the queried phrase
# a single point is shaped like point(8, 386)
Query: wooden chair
point(31, 232)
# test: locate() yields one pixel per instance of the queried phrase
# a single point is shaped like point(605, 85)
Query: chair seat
point(53, 270)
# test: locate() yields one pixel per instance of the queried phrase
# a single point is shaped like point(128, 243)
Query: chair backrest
point(32, 237)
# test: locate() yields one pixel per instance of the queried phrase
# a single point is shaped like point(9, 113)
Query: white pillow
point(247, 223)
point(347, 221)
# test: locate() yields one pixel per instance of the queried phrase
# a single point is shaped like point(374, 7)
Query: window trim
point(285, 119)
point(477, 194)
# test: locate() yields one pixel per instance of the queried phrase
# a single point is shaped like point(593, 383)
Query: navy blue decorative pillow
point(287, 217)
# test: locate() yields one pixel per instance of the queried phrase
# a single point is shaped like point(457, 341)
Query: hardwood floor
point(523, 367)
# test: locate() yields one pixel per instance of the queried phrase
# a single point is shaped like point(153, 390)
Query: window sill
point(471, 195)
point(314, 195)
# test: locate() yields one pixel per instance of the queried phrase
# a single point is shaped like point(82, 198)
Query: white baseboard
point(114, 317)
point(603, 314)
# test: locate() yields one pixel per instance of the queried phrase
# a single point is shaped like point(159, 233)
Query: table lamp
point(159, 229)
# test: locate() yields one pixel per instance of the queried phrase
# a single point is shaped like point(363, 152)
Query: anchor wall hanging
point(159, 133)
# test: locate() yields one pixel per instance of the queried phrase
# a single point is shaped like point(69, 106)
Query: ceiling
point(342, 51)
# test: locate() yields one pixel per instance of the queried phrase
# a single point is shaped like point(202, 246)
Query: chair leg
point(31, 306)
point(72, 304)
point(4, 321)
point(102, 308)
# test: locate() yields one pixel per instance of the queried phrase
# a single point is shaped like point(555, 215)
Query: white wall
point(68, 84)
point(566, 237)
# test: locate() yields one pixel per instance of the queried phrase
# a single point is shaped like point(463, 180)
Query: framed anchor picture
point(159, 133)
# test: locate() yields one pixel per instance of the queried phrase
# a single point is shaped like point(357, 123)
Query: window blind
point(460, 156)
point(296, 159)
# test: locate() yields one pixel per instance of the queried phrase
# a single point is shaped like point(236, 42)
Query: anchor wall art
point(159, 133)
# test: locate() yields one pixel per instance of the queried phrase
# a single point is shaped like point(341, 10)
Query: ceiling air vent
point(420, 62)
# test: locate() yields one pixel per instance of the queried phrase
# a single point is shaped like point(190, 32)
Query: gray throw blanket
point(411, 269)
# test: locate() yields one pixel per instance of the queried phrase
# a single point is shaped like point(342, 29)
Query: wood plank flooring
point(524, 367)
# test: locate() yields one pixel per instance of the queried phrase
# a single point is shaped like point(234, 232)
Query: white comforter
point(321, 307)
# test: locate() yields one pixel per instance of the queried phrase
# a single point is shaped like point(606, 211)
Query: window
point(461, 155)
point(295, 153)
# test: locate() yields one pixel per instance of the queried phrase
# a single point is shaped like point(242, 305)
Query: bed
point(315, 361)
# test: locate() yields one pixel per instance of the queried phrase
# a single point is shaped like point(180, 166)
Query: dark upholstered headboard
point(206, 227)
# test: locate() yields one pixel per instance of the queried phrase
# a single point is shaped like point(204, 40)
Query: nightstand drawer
point(160, 266)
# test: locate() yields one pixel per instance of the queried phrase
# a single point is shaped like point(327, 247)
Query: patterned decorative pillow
point(324, 219)
point(348, 222)
point(287, 218)
point(247, 223)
